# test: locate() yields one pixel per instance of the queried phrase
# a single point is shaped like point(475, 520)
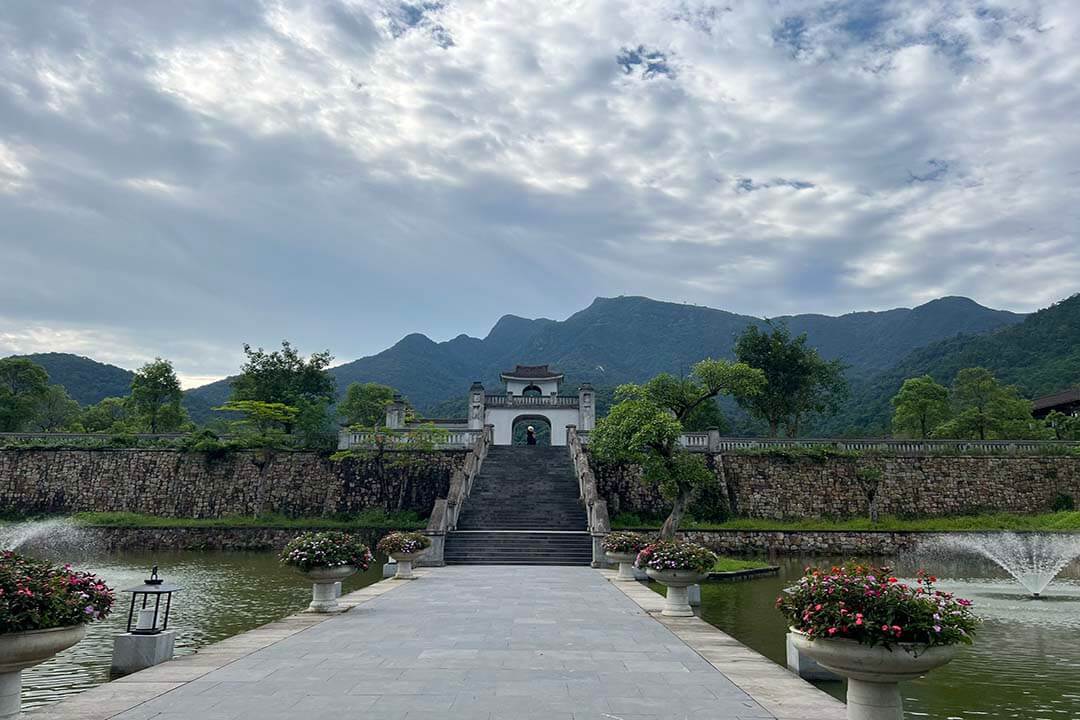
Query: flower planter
point(404, 564)
point(21, 650)
point(873, 673)
point(626, 565)
point(323, 597)
point(677, 603)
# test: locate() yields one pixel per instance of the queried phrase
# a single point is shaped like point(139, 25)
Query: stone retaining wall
point(785, 488)
point(245, 539)
point(173, 483)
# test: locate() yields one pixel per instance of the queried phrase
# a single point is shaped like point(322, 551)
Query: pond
point(223, 594)
point(1025, 662)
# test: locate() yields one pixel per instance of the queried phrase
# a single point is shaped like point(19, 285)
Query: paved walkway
point(492, 642)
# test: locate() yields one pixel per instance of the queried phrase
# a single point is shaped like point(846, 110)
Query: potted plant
point(623, 548)
point(326, 558)
point(44, 609)
point(677, 565)
point(404, 547)
point(864, 623)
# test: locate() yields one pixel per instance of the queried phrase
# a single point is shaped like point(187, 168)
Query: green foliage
point(22, 387)
point(1061, 426)
point(728, 564)
point(1063, 502)
point(984, 409)
point(1047, 522)
point(86, 381)
point(284, 377)
point(55, 411)
point(262, 419)
point(799, 383)
point(404, 543)
point(37, 595)
point(920, 406)
point(625, 542)
point(676, 555)
point(109, 415)
point(365, 404)
point(328, 549)
point(155, 397)
point(370, 518)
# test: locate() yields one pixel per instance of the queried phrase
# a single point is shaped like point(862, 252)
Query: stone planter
point(404, 564)
point(873, 673)
point(323, 597)
point(626, 565)
point(21, 650)
point(677, 603)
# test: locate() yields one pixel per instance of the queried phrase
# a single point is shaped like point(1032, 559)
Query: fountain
point(53, 538)
point(1033, 559)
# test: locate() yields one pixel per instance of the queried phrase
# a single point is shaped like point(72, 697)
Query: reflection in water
point(223, 594)
point(1025, 662)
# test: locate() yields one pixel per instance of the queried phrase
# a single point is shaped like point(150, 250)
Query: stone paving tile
point(480, 642)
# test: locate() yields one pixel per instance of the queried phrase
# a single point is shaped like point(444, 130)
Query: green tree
point(984, 409)
point(921, 405)
point(365, 404)
point(109, 415)
point(55, 410)
point(22, 386)
point(645, 425)
point(798, 381)
point(264, 420)
point(1062, 426)
point(284, 377)
point(706, 416)
point(156, 396)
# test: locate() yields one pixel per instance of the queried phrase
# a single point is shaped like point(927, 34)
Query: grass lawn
point(366, 519)
point(1057, 521)
point(728, 564)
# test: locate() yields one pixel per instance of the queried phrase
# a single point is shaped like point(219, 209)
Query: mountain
point(1039, 355)
point(630, 339)
point(87, 381)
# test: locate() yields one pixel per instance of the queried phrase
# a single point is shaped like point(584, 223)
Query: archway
point(540, 424)
point(532, 391)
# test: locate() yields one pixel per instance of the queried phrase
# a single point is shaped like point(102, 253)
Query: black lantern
point(145, 621)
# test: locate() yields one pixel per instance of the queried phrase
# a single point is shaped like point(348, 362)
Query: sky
point(177, 179)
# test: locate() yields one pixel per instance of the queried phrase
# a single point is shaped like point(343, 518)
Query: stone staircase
point(524, 509)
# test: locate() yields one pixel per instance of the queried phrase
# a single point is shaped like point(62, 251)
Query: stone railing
point(401, 439)
point(61, 437)
point(444, 514)
point(595, 506)
point(515, 401)
point(712, 441)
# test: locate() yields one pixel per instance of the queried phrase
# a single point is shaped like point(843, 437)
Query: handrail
point(711, 441)
point(561, 401)
point(599, 523)
point(402, 438)
point(444, 514)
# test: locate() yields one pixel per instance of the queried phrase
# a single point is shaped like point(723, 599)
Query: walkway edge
point(112, 698)
point(782, 693)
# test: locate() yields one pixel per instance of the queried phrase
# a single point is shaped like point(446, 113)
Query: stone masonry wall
point(784, 488)
point(172, 483)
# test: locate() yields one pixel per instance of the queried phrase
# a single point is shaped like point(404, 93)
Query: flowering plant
point(405, 543)
point(873, 607)
point(37, 595)
point(676, 555)
point(326, 550)
point(625, 542)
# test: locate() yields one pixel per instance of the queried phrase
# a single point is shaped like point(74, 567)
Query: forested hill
point(627, 339)
point(86, 381)
point(1040, 355)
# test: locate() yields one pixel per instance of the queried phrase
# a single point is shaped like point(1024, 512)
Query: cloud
point(341, 172)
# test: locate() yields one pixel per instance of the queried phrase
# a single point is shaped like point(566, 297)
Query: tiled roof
point(1065, 397)
point(532, 372)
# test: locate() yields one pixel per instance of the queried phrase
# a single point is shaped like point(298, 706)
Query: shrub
point(871, 606)
point(405, 543)
point(676, 555)
point(1062, 503)
point(326, 550)
point(625, 542)
point(37, 595)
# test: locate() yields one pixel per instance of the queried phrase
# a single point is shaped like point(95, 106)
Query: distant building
point(1066, 401)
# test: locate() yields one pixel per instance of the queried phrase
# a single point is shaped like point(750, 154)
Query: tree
point(284, 377)
point(645, 425)
point(984, 409)
point(263, 419)
point(798, 381)
point(365, 404)
point(156, 396)
point(55, 410)
point(109, 415)
point(23, 384)
point(1062, 426)
point(921, 405)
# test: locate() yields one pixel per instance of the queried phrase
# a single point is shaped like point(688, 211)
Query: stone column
point(476, 406)
point(395, 413)
point(586, 407)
